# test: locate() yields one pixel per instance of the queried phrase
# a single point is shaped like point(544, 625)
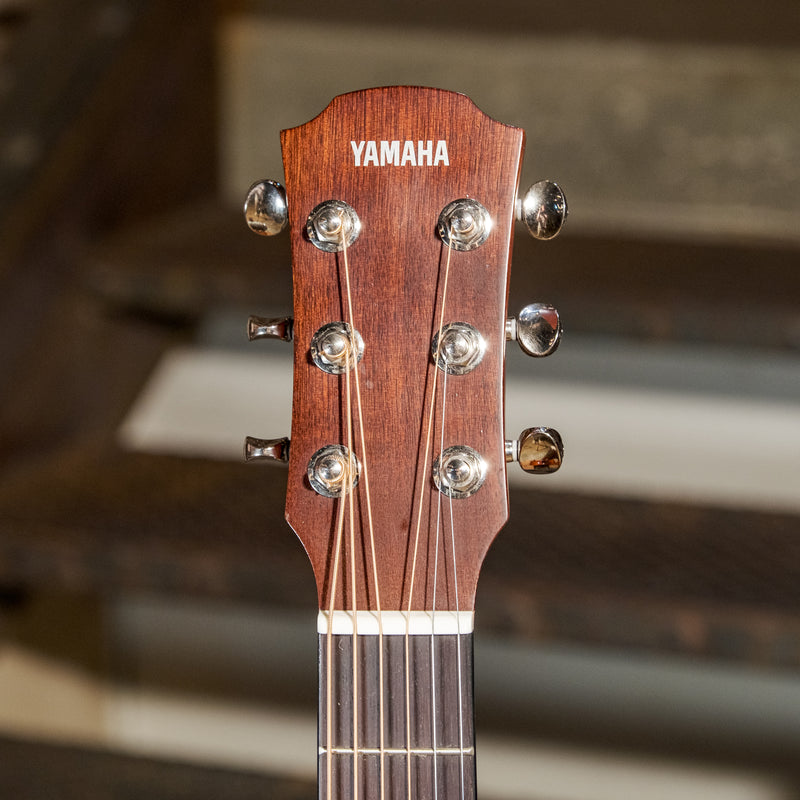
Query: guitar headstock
point(400, 203)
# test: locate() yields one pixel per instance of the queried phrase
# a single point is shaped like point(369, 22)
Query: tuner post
point(332, 226)
point(333, 471)
point(464, 224)
point(539, 451)
point(459, 471)
point(336, 348)
point(458, 348)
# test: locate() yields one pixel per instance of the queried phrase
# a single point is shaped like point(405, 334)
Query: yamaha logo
point(400, 154)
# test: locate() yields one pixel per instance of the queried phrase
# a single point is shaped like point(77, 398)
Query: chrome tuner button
point(332, 225)
point(266, 449)
point(459, 471)
point(270, 328)
point(333, 471)
point(265, 208)
point(538, 450)
point(543, 209)
point(458, 348)
point(464, 224)
point(536, 329)
point(332, 348)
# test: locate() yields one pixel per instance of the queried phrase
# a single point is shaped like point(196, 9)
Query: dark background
point(120, 237)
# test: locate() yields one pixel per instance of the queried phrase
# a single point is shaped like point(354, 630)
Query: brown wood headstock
point(401, 203)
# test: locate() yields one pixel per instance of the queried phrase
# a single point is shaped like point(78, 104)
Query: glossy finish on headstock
point(396, 269)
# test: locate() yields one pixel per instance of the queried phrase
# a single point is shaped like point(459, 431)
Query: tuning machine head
point(536, 329)
point(543, 209)
point(538, 450)
point(265, 208)
point(270, 328)
point(266, 449)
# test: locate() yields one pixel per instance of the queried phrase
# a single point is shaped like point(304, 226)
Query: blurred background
point(637, 631)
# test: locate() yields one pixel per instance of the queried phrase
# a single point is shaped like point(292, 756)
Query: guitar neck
point(396, 709)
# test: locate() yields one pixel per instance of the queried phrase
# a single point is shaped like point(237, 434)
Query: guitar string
point(329, 651)
point(440, 500)
point(424, 478)
point(459, 683)
point(353, 352)
point(458, 655)
point(458, 617)
point(353, 590)
point(436, 579)
point(351, 357)
point(435, 748)
point(334, 586)
point(455, 589)
point(348, 488)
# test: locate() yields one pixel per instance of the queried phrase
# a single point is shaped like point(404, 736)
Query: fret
point(441, 716)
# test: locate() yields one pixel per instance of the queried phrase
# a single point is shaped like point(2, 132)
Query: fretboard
point(408, 736)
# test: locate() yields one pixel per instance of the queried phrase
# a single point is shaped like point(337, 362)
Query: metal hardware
point(265, 208)
point(538, 450)
point(458, 348)
point(464, 224)
point(459, 471)
point(331, 224)
point(329, 468)
point(270, 328)
point(272, 449)
point(331, 348)
point(543, 209)
point(536, 329)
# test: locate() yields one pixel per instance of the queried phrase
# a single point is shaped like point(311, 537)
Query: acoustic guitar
point(400, 203)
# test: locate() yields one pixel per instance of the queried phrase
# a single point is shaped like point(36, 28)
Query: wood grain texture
point(397, 272)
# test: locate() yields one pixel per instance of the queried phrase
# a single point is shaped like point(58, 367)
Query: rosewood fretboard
point(427, 731)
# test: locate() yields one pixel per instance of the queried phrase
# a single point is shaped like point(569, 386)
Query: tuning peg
point(536, 329)
point(543, 209)
point(538, 450)
point(265, 208)
point(270, 328)
point(272, 449)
